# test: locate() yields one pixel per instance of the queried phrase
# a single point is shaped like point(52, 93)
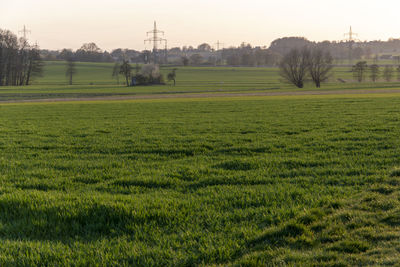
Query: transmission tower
point(350, 34)
point(155, 39)
point(218, 44)
point(349, 38)
point(218, 52)
point(24, 31)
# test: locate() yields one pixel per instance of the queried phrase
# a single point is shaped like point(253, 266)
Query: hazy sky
point(57, 24)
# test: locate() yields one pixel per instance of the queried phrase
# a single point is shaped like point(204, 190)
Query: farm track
point(206, 95)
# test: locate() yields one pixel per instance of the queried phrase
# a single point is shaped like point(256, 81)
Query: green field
point(94, 80)
point(241, 181)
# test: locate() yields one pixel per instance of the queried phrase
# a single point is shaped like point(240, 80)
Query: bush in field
point(149, 74)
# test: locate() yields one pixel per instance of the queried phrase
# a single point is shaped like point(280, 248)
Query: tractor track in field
point(205, 95)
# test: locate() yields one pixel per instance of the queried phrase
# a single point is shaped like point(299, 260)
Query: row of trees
point(361, 70)
point(242, 55)
point(89, 52)
point(20, 62)
point(315, 64)
point(297, 66)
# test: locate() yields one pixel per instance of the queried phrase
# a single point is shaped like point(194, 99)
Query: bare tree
point(293, 67)
point(116, 70)
point(19, 61)
point(374, 69)
point(125, 69)
point(388, 73)
point(172, 76)
point(71, 69)
point(319, 66)
point(185, 61)
point(359, 70)
point(35, 65)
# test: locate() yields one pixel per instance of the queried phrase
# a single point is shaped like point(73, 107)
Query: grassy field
point(94, 80)
point(308, 180)
point(268, 181)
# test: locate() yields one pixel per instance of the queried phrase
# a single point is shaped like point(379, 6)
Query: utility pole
point(24, 31)
point(350, 41)
point(155, 39)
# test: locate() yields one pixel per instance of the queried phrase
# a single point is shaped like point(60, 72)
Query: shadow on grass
point(63, 221)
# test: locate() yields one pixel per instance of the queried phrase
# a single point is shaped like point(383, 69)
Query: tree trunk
point(28, 75)
point(300, 84)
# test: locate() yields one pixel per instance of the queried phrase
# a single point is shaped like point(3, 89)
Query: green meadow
point(95, 80)
point(239, 181)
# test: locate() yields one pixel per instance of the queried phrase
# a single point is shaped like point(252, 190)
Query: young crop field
point(95, 80)
point(294, 180)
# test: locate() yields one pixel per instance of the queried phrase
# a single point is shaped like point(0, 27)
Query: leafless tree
point(319, 66)
point(388, 73)
point(19, 61)
point(359, 70)
point(374, 72)
point(126, 69)
point(71, 69)
point(172, 76)
point(35, 65)
point(294, 66)
point(116, 71)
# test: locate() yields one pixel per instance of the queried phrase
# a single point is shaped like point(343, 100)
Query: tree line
point(242, 55)
point(20, 62)
point(361, 70)
point(89, 52)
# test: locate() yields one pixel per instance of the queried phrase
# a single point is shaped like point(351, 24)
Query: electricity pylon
point(218, 43)
point(350, 34)
point(155, 39)
point(24, 31)
point(351, 40)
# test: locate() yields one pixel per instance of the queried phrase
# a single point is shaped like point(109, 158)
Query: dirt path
point(209, 95)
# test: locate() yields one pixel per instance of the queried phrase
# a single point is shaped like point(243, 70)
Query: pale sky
point(57, 24)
